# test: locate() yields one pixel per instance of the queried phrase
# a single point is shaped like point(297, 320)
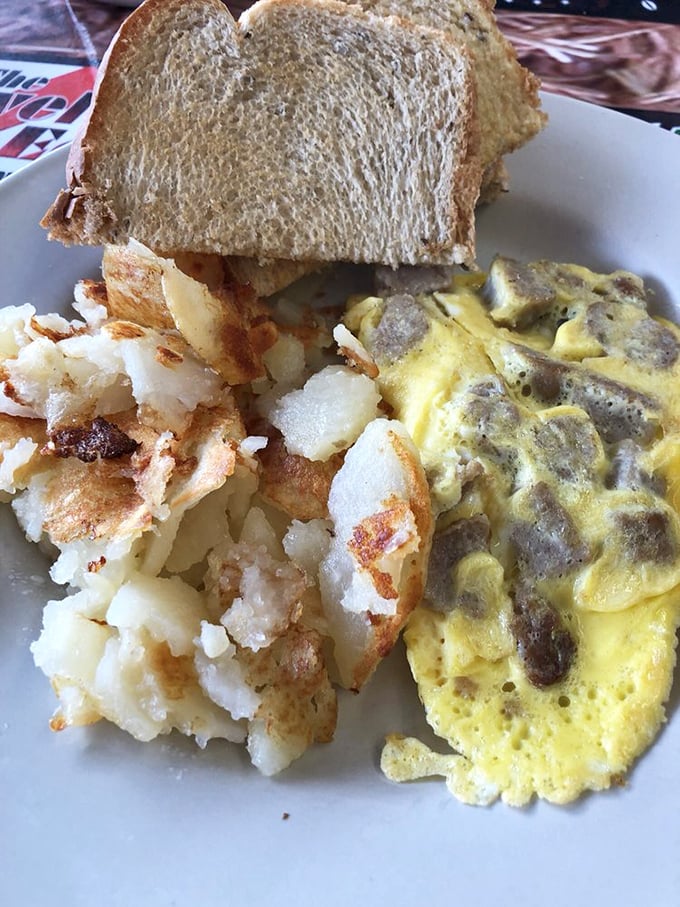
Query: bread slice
point(495, 181)
point(309, 130)
point(507, 93)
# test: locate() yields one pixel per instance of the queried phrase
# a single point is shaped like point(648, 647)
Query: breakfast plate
point(92, 816)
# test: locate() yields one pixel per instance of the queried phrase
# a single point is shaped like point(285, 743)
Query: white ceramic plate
point(92, 817)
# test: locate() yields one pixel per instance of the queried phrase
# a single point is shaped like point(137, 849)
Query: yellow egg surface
point(545, 402)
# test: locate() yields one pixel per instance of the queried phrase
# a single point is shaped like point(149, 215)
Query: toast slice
point(507, 93)
point(307, 130)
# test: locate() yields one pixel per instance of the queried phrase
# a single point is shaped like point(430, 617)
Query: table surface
point(623, 54)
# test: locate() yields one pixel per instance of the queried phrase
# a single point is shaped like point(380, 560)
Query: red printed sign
point(41, 106)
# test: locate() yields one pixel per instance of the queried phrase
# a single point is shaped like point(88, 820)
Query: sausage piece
point(402, 327)
point(448, 548)
point(617, 411)
point(544, 644)
point(548, 544)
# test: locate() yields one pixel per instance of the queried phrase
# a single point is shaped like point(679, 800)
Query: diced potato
point(328, 414)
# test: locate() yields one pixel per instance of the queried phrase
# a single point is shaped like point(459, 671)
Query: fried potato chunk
point(374, 572)
point(296, 485)
point(232, 329)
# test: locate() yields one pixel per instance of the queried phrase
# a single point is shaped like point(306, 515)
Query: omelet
point(545, 402)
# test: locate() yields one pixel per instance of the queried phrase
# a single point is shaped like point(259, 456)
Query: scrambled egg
point(545, 402)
